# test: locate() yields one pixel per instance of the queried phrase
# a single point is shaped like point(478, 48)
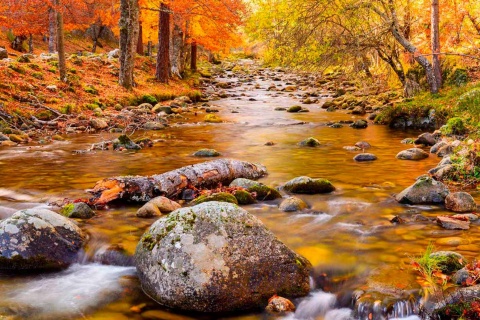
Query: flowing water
point(346, 234)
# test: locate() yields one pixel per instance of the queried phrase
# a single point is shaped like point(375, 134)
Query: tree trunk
point(96, 37)
point(140, 39)
point(128, 41)
point(149, 48)
point(163, 60)
point(193, 57)
point(30, 43)
point(407, 23)
point(172, 183)
point(475, 21)
point(394, 62)
point(436, 43)
point(62, 65)
point(176, 51)
point(52, 30)
point(17, 43)
point(186, 48)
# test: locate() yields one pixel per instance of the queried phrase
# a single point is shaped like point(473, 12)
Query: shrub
point(454, 126)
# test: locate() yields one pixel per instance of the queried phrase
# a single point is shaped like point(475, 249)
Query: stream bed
point(346, 234)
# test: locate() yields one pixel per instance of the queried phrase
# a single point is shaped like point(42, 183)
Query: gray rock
point(440, 172)
point(52, 88)
point(445, 150)
point(362, 157)
point(153, 125)
point(424, 191)
point(308, 185)
point(3, 53)
point(39, 239)
point(98, 124)
point(79, 210)
point(412, 154)
point(244, 183)
point(310, 142)
point(292, 204)
point(426, 139)
point(207, 258)
point(114, 54)
point(460, 276)
point(453, 224)
point(359, 124)
point(460, 202)
point(446, 160)
point(161, 108)
point(114, 255)
point(207, 153)
point(438, 146)
point(124, 142)
point(336, 126)
point(4, 137)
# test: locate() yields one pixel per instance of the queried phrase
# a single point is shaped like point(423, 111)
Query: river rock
point(262, 191)
point(450, 261)
point(206, 153)
point(292, 204)
point(79, 210)
point(460, 202)
point(434, 149)
point(412, 154)
point(310, 142)
point(294, 109)
point(359, 110)
point(154, 125)
point(362, 157)
point(445, 151)
point(440, 172)
point(452, 224)
point(124, 142)
point(244, 197)
point(359, 124)
point(3, 137)
point(424, 191)
point(426, 139)
point(39, 239)
point(279, 305)
point(207, 258)
point(98, 124)
point(161, 108)
point(363, 145)
point(308, 185)
point(219, 197)
point(157, 206)
point(114, 255)
point(148, 210)
point(244, 183)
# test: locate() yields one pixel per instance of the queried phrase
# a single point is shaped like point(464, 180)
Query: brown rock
point(148, 210)
point(460, 202)
point(452, 224)
point(278, 304)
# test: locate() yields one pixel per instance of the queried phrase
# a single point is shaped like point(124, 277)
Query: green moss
point(45, 115)
point(67, 209)
point(23, 59)
point(15, 67)
point(294, 109)
point(244, 197)
point(147, 98)
point(264, 192)
point(454, 126)
point(91, 89)
point(38, 75)
point(221, 197)
point(34, 66)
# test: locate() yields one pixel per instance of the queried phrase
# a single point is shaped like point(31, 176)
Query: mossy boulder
point(454, 126)
point(207, 153)
point(310, 142)
point(449, 261)
point(307, 185)
point(244, 183)
point(124, 142)
point(294, 109)
point(78, 210)
point(244, 197)
point(264, 193)
point(207, 258)
point(424, 191)
point(39, 239)
point(359, 124)
point(161, 108)
point(412, 154)
point(219, 197)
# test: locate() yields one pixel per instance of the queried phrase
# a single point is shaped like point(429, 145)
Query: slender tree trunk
point(52, 30)
point(128, 41)
point(163, 60)
point(193, 57)
point(140, 39)
point(475, 21)
point(176, 51)
point(186, 48)
point(436, 42)
point(62, 65)
point(30, 43)
point(96, 37)
point(149, 48)
point(407, 24)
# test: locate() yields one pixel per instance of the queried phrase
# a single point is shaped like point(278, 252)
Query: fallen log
point(170, 184)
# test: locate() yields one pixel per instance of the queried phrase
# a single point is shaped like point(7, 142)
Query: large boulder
point(308, 185)
point(426, 139)
point(460, 202)
point(207, 258)
point(424, 191)
point(412, 154)
point(39, 239)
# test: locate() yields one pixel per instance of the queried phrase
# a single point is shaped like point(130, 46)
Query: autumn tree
point(435, 25)
point(61, 42)
point(162, 72)
point(128, 24)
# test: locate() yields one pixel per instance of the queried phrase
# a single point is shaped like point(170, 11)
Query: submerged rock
point(78, 210)
point(412, 154)
point(207, 153)
point(124, 142)
point(359, 124)
point(207, 258)
point(460, 202)
point(310, 142)
point(294, 109)
point(308, 185)
point(220, 197)
point(424, 191)
point(39, 239)
point(292, 204)
point(362, 157)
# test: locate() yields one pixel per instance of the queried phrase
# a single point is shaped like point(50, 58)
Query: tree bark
point(436, 42)
point(162, 73)
point(193, 57)
point(62, 65)
point(172, 183)
point(475, 21)
point(52, 30)
point(140, 39)
point(128, 41)
point(149, 48)
point(176, 51)
point(96, 36)
point(30, 43)
point(17, 43)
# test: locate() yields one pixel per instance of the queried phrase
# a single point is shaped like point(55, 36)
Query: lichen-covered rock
point(460, 202)
point(412, 154)
point(244, 197)
point(450, 261)
point(308, 185)
point(79, 210)
point(292, 204)
point(310, 142)
point(426, 139)
point(39, 239)
point(206, 153)
point(424, 191)
point(124, 142)
point(207, 258)
point(438, 146)
point(244, 183)
point(261, 191)
point(220, 197)
point(362, 157)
